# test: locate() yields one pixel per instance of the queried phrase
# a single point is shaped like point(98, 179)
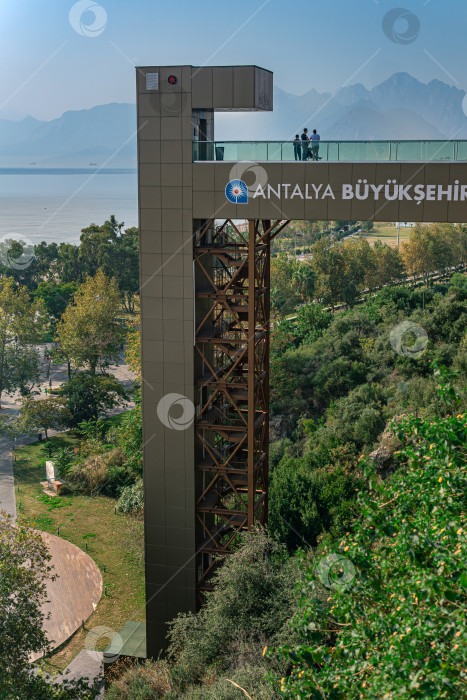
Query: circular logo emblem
point(236, 192)
point(172, 79)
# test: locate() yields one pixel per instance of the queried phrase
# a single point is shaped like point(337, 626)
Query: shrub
point(142, 682)
point(459, 281)
point(63, 460)
point(132, 498)
point(306, 501)
point(129, 436)
point(97, 472)
point(312, 320)
point(251, 679)
point(249, 608)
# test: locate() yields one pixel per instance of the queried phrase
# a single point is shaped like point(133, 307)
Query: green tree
point(70, 268)
point(307, 499)
point(284, 293)
point(361, 263)
point(90, 396)
point(432, 247)
point(90, 332)
point(337, 275)
point(304, 277)
point(43, 414)
point(311, 321)
point(252, 601)
point(459, 281)
point(25, 568)
point(133, 347)
point(21, 324)
point(116, 253)
point(389, 265)
point(56, 296)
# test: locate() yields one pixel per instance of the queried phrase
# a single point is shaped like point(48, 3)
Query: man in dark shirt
point(305, 141)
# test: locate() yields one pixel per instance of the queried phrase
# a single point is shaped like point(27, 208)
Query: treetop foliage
point(90, 332)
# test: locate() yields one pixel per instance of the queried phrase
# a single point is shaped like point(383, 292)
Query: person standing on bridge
point(297, 147)
point(305, 145)
point(315, 139)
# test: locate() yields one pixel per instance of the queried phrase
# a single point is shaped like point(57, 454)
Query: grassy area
point(114, 540)
point(387, 233)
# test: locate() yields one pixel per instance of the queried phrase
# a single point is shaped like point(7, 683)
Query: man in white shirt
point(315, 139)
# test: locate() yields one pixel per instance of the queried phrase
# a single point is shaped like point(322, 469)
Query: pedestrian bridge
point(334, 151)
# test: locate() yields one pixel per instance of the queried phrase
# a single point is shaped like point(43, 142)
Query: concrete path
point(7, 484)
point(87, 664)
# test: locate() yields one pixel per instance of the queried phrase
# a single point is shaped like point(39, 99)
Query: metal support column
point(232, 277)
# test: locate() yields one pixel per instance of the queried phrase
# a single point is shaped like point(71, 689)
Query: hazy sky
point(50, 66)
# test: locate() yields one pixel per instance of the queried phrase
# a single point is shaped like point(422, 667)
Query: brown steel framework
point(232, 310)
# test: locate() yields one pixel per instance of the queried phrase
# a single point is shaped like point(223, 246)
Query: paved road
point(7, 484)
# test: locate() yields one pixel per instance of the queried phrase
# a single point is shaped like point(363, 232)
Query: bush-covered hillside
point(377, 613)
point(336, 382)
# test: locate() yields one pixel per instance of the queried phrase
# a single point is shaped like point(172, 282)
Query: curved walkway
point(73, 596)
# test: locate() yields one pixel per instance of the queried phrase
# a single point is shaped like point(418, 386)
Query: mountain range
point(401, 107)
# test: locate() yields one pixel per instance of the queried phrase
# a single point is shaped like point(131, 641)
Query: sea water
point(54, 204)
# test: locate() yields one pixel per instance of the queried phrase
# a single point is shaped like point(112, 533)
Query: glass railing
point(332, 151)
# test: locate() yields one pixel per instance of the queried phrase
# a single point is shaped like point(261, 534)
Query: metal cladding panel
point(425, 192)
point(232, 88)
point(263, 89)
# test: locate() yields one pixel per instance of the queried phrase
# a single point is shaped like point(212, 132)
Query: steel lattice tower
point(232, 314)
